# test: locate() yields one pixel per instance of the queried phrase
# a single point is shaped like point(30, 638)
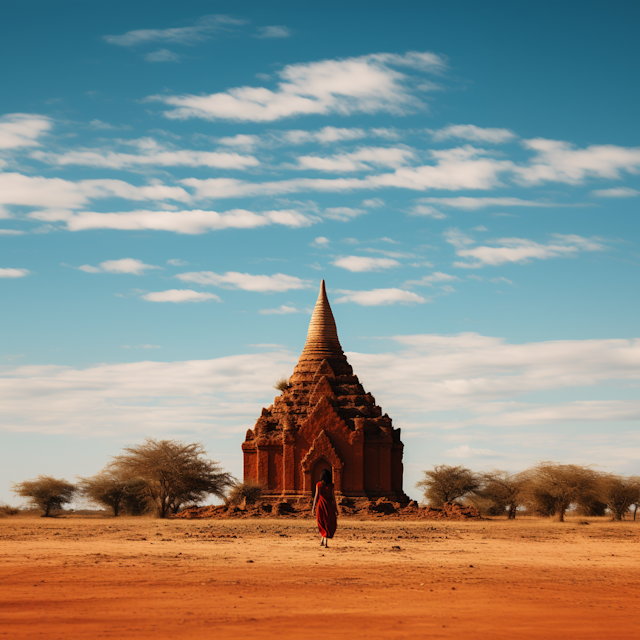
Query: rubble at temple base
point(358, 509)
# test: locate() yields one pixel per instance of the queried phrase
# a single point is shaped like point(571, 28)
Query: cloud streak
point(366, 84)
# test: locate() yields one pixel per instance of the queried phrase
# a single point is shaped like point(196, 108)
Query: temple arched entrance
point(318, 468)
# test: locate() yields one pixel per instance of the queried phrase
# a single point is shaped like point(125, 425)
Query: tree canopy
point(174, 473)
point(446, 483)
point(46, 492)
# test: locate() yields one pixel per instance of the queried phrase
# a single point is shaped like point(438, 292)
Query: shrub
point(551, 488)
point(446, 483)
point(249, 492)
point(174, 474)
point(7, 510)
point(282, 384)
point(46, 493)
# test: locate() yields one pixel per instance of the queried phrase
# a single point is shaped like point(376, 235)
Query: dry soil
point(76, 577)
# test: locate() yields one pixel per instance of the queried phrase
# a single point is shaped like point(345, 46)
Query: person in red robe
point(325, 508)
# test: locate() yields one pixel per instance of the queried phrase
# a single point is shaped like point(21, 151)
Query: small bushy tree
point(446, 483)
point(551, 488)
point(45, 492)
point(617, 493)
point(174, 473)
point(110, 489)
point(501, 492)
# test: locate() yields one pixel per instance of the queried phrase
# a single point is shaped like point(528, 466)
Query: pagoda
point(324, 419)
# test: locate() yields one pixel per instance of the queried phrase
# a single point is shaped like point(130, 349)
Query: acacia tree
point(551, 488)
point(503, 491)
point(446, 483)
point(617, 493)
point(174, 473)
point(46, 492)
point(111, 489)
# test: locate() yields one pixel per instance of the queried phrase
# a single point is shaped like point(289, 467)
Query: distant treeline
point(547, 489)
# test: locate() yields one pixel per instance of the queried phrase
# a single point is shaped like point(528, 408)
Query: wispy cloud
point(246, 281)
point(431, 279)
point(180, 295)
point(558, 161)
point(366, 84)
point(363, 159)
point(152, 154)
point(281, 310)
point(162, 55)
point(203, 29)
point(616, 192)
point(380, 297)
point(54, 193)
point(361, 264)
point(320, 242)
point(124, 265)
point(472, 203)
point(474, 134)
point(13, 273)
point(192, 222)
point(519, 250)
point(275, 31)
point(22, 130)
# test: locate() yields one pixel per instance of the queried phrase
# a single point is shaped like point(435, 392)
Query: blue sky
point(175, 181)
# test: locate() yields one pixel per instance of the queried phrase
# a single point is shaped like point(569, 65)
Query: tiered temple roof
point(325, 414)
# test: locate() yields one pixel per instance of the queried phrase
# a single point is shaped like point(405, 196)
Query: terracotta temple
point(324, 419)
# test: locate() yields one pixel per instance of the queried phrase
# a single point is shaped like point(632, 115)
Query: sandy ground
point(78, 577)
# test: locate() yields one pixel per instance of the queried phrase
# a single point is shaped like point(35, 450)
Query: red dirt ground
point(72, 578)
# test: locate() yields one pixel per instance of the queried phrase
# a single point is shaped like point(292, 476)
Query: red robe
point(325, 510)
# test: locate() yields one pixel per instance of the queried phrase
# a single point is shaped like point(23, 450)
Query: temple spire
point(322, 337)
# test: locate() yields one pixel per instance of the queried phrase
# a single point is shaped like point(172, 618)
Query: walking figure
point(325, 508)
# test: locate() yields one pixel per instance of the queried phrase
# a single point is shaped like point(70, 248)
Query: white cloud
point(616, 192)
point(471, 204)
point(274, 31)
point(124, 265)
point(454, 169)
point(143, 398)
point(373, 203)
point(344, 214)
point(204, 28)
point(162, 55)
point(320, 242)
point(180, 295)
point(192, 222)
point(436, 276)
point(474, 134)
point(14, 273)
point(11, 232)
point(22, 130)
point(240, 140)
point(176, 262)
point(426, 210)
point(520, 250)
point(465, 451)
point(380, 297)
point(246, 281)
point(483, 375)
point(558, 161)
point(281, 310)
point(365, 84)
point(36, 191)
point(365, 263)
point(155, 156)
point(363, 159)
